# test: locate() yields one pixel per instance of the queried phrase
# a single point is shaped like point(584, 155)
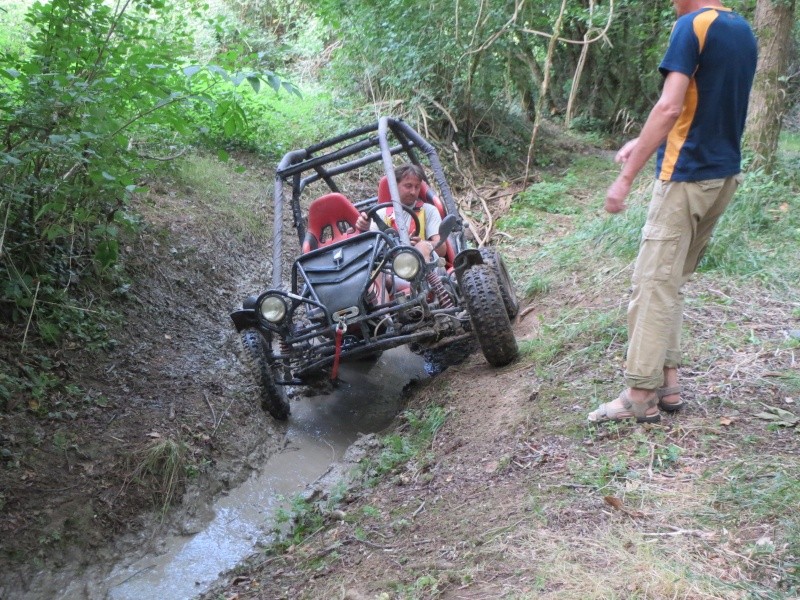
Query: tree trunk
point(773, 24)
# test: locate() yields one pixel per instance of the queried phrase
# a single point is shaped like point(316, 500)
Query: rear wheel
point(273, 396)
point(495, 261)
point(488, 315)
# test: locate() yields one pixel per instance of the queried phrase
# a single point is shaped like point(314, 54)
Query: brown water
point(319, 432)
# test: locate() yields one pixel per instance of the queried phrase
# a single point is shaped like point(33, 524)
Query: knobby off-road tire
point(273, 396)
point(495, 261)
point(488, 315)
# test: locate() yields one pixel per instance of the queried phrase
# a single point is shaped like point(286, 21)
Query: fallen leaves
point(778, 416)
point(619, 505)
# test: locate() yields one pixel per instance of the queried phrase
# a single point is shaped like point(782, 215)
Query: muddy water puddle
point(318, 433)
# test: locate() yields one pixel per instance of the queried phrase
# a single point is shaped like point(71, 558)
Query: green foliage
point(604, 471)
point(413, 445)
point(480, 66)
point(759, 234)
point(278, 123)
point(302, 517)
point(425, 586)
point(14, 31)
point(97, 95)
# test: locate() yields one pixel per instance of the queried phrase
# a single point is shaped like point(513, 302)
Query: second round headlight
point(406, 265)
point(273, 309)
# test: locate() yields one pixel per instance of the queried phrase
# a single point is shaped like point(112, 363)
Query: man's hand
point(619, 190)
point(616, 194)
point(362, 223)
point(625, 152)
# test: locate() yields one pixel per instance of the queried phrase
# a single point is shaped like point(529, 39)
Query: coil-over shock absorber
point(435, 281)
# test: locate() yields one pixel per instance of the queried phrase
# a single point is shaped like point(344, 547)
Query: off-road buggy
point(352, 294)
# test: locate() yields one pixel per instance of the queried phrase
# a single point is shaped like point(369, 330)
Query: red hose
point(338, 353)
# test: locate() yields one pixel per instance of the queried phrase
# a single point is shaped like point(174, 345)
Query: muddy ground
point(82, 471)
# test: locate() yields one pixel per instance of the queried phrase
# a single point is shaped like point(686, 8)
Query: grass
point(568, 333)
point(161, 469)
point(284, 121)
point(789, 144)
point(758, 235)
point(296, 522)
point(229, 200)
point(757, 496)
point(410, 444)
point(758, 238)
point(699, 515)
point(407, 449)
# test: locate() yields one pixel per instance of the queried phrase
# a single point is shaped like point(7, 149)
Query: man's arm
point(433, 221)
point(635, 154)
point(441, 250)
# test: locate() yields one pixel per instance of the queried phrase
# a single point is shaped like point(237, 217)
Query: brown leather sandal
point(669, 391)
point(630, 410)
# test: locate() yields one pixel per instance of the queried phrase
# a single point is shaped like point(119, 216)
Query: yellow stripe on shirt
point(701, 24)
point(680, 131)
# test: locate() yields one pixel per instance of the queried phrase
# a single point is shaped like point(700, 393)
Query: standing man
point(696, 126)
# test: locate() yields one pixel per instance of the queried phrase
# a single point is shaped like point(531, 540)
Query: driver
point(409, 180)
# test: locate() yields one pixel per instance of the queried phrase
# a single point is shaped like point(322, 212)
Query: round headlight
point(406, 265)
point(273, 309)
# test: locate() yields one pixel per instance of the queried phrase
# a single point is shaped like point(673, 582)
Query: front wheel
point(488, 315)
point(495, 261)
point(256, 353)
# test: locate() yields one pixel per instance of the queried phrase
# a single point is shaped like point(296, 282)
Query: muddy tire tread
point(495, 261)
point(273, 396)
point(488, 315)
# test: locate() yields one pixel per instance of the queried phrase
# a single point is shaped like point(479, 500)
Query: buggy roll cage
point(347, 152)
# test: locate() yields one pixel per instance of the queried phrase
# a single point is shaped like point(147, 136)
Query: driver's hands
point(362, 223)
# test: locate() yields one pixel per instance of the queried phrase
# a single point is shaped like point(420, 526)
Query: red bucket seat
point(331, 218)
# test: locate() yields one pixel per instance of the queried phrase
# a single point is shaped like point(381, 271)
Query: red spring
point(337, 353)
point(435, 282)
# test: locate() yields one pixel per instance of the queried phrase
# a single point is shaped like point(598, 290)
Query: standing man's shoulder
point(727, 32)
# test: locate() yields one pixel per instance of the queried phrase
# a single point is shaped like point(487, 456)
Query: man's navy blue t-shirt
point(716, 48)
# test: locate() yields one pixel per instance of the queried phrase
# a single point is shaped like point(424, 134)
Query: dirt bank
point(167, 390)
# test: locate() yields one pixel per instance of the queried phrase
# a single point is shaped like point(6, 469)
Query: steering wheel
point(372, 214)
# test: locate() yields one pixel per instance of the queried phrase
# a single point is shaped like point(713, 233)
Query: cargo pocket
point(656, 254)
point(708, 185)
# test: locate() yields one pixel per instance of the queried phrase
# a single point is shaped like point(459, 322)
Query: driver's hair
point(409, 169)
